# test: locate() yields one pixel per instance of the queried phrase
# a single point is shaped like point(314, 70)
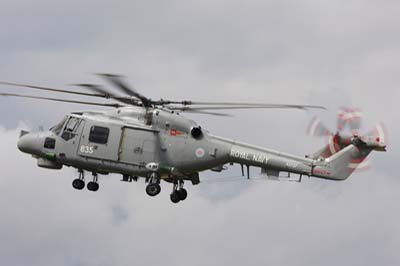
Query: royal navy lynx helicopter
point(144, 138)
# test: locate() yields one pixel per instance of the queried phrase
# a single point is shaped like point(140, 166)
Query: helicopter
point(151, 139)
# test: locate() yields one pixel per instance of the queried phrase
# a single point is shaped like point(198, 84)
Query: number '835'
point(86, 149)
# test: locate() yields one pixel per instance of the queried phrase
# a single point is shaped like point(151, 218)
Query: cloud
point(319, 52)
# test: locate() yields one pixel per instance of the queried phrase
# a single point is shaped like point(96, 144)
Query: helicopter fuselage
point(140, 142)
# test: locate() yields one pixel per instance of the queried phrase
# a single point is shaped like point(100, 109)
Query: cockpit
point(67, 127)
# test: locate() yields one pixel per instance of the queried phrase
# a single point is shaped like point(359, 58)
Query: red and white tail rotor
point(351, 118)
point(379, 132)
point(348, 118)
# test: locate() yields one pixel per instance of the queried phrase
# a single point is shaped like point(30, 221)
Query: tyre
point(93, 186)
point(96, 187)
point(175, 197)
point(78, 184)
point(153, 189)
point(182, 194)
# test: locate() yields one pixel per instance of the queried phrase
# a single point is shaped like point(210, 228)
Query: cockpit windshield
point(69, 130)
point(72, 124)
point(57, 128)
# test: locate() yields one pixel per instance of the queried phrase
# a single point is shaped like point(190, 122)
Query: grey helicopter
point(151, 139)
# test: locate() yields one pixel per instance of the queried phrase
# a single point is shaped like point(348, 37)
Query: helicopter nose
point(28, 142)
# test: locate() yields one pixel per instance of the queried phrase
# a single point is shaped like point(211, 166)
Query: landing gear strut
point(153, 188)
point(79, 183)
point(178, 192)
point(93, 185)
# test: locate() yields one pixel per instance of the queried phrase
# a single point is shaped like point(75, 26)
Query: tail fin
point(334, 145)
point(342, 164)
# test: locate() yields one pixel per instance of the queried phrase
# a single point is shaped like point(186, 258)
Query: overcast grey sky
point(324, 52)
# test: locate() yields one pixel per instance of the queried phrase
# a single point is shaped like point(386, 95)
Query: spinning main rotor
point(131, 97)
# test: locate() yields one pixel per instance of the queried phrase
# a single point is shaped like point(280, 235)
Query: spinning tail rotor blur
point(348, 120)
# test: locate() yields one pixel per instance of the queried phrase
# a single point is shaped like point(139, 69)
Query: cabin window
point(99, 134)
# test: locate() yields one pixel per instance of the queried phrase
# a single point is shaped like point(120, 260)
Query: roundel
point(200, 152)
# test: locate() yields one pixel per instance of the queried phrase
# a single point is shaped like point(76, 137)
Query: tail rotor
point(348, 119)
point(351, 118)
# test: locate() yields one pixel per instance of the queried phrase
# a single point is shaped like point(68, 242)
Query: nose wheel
point(93, 185)
point(79, 183)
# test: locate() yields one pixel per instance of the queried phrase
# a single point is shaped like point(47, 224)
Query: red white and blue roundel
point(199, 152)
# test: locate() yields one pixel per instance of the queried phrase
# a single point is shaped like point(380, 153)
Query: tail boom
point(338, 166)
point(342, 164)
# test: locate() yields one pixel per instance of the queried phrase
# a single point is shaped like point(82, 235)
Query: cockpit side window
point(70, 128)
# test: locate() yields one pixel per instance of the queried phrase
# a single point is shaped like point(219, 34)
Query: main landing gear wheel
point(153, 189)
point(178, 192)
point(93, 186)
point(78, 184)
point(175, 197)
point(182, 194)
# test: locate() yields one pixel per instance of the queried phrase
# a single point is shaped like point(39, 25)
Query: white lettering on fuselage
point(86, 149)
point(292, 164)
point(259, 158)
point(240, 154)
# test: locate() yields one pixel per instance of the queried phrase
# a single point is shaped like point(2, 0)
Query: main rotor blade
point(50, 89)
point(120, 84)
point(207, 113)
point(108, 95)
point(59, 100)
point(266, 105)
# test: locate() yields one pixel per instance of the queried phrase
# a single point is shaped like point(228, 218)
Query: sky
point(331, 53)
